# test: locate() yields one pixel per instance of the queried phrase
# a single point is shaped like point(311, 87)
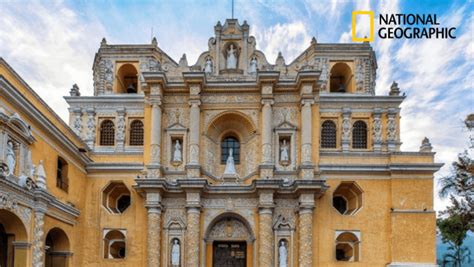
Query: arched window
point(62, 180)
point(328, 135)
point(359, 135)
point(347, 247)
point(114, 244)
point(228, 143)
point(107, 133)
point(136, 133)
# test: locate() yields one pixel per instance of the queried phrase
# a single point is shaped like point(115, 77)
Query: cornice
point(26, 107)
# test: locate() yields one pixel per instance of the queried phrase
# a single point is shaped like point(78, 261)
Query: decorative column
point(193, 209)
point(91, 127)
point(377, 129)
point(41, 206)
point(266, 168)
point(346, 129)
point(305, 230)
point(307, 168)
point(120, 129)
point(193, 167)
point(265, 233)
point(154, 166)
point(392, 129)
point(153, 205)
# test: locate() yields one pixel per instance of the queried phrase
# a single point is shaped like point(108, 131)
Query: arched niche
point(174, 229)
point(126, 79)
point(57, 247)
point(230, 124)
point(13, 240)
point(341, 79)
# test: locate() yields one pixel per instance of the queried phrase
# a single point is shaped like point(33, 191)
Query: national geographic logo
point(402, 26)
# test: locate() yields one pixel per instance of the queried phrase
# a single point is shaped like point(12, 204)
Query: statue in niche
point(284, 155)
point(175, 253)
point(230, 165)
point(283, 254)
point(253, 65)
point(231, 58)
point(177, 155)
point(10, 157)
point(208, 65)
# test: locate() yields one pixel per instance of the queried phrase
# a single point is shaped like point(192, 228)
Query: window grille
point(107, 133)
point(136, 133)
point(359, 135)
point(328, 135)
point(226, 145)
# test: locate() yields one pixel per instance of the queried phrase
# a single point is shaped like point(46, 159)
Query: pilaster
point(120, 135)
point(346, 129)
point(377, 129)
point(193, 214)
point(154, 209)
point(265, 234)
point(305, 230)
point(91, 127)
point(392, 129)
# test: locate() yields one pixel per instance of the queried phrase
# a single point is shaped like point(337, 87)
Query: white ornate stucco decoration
point(359, 74)
point(346, 129)
point(229, 229)
point(377, 130)
point(91, 127)
point(9, 202)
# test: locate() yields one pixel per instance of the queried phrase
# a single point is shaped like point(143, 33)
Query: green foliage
point(459, 216)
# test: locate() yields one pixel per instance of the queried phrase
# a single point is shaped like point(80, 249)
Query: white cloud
point(51, 47)
point(289, 38)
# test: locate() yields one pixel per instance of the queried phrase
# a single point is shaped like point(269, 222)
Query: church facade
point(231, 161)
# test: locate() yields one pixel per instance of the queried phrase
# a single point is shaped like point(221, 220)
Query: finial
point(103, 42)
point(394, 90)
point(280, 61)
point(40, 176)
point(313, 41)
point(183, 62)
point(154, 42)
point(426, 145)
point(75, 90)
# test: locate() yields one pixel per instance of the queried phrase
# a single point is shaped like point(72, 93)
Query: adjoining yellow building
point(232, 161)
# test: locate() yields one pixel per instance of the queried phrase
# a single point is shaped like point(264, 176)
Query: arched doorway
point(13, 240)
point(229, 242)
point(57, 248)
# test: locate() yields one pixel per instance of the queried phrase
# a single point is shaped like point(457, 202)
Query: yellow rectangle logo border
point(354, 16)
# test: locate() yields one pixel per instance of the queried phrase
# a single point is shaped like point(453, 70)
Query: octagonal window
point(347, 198)
point(116, 197)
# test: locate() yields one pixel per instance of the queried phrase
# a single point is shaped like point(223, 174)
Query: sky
point(51, 44)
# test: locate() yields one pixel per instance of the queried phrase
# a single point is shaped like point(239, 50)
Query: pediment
point(285, 125)
point(176, 127)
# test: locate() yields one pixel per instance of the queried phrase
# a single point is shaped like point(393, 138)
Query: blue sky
point(51, 44)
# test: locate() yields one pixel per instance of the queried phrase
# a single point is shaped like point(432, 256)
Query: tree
point(459, 216)
point(460, 188)
point(453, 231)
